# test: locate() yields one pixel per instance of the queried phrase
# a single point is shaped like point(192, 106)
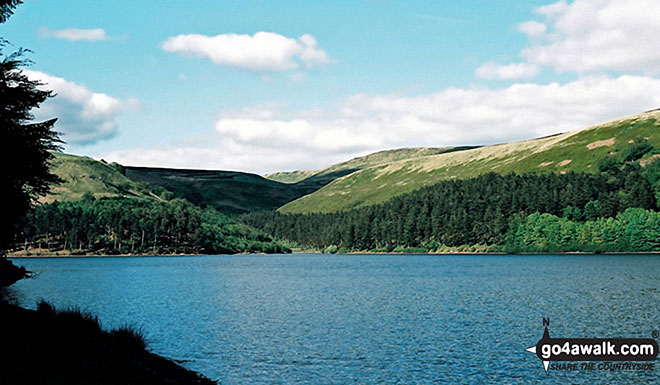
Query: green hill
point(81, 174)
point(289, 176)
point(328, 174)
point(227, 191)
point(117, 215)
point(573, 151)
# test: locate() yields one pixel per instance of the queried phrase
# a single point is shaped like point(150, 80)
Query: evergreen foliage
point(491, 209)
point(24, 173)
point(7, 8)
point(638, 149)
point(122, 225)
point(27, 176)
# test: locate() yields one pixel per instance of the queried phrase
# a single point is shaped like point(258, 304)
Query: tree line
point(491, 209)
point(635, 229)
point(121, 225)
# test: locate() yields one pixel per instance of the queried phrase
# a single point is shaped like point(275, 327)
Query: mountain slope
point(227, 191)
point(328, 174)
point(81, 174)
point(230, 192)
point(573, 151)
point(147, 214)
point(289, 176)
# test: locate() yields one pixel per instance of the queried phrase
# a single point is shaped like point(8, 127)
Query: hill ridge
point(569, 151)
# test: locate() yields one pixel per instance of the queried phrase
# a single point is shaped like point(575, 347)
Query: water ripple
point(300, 319)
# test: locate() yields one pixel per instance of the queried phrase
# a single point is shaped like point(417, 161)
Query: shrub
point(608, 163)
point(332, 249)
point(73, 318)
point(129, 337)
point(636, 150)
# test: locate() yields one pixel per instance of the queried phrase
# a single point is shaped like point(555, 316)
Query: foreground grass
point(51, 346)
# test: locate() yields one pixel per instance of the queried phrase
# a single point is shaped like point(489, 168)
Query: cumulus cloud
point(73, 34)
point(611, 45)
point(599, 35)
point(84, 116)
point(266, 138)
point(532, 28)
point(588, 37)
point(492, 70)
point(263, 51)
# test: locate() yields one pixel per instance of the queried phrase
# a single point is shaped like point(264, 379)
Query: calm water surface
point(340, 319)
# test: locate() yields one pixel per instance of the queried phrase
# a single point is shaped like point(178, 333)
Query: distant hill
point(328, 174)
point(81, 174)
point(362, 181)
point(141, 204)
point(289, 176)
point(375, 182)
point(227, 191)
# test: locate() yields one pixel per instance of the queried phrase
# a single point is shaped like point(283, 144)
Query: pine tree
point(25, 174)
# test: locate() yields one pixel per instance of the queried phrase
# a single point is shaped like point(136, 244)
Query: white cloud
point(84, 116)
point(599, 35)
point(554, 9)
point(73, 34)
point(310, 54)
point(587, 37)
point(532, 28)
point(611, 45)
point(259, 52)
point(265, 139)
point(492, 70)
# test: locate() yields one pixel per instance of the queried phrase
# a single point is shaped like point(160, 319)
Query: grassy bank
point(50, 346)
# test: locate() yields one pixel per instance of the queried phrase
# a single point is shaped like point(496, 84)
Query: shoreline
point(86, 353)
point(22, 256)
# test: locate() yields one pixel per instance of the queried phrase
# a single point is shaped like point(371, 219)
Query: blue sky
point(263, 86)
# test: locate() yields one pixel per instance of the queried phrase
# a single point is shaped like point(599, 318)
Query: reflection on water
point(362, 319)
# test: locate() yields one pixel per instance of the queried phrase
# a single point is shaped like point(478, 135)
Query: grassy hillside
point(230, 192)
point(227, 191)
point(573, 151)
point(328, 174)
point(289, 176)
point(81, 174)
point(132, 216)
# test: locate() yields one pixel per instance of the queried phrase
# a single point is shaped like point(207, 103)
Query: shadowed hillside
point(98, 210)
point(227, 191)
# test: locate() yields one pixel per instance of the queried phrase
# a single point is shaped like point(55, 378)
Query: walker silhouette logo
point(570, 350)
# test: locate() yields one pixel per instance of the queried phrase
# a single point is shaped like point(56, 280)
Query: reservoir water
point(310, 318)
